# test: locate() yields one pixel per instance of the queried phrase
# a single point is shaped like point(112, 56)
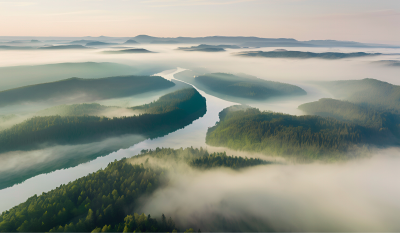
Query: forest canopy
point(299, 137)
point(174, 111)
point(85, 89)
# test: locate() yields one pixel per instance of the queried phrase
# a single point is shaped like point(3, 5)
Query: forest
point(378, 94)
point(85, 89)
point(299, 137)
point(106, 201)
point(174, 111)
point(283, 53)
point(195, 158)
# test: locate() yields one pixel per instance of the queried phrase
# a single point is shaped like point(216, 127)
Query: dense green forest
point(300, 137)
point(106, 201)
point(240, 87)
point(85, 89)
point(103, 201)
point(360, 114)
point(194, 157)
point(381, 95)
point(174, 111)
point(282, 53)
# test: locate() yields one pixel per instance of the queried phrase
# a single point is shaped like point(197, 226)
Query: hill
point(246, 87)
point(376, 120)
point(131, 41)
point(379, 94)
point(174, 111)
point(209, 48)
point(104, 200)
point(281, 53)
point(303, 138)
point(83, 90)
point(129, 51)
point(17, 76)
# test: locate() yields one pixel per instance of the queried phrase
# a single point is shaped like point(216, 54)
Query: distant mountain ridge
point(238, 40)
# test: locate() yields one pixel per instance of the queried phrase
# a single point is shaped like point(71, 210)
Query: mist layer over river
point(350, 196)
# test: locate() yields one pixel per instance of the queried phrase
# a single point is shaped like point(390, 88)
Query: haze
point(358, 20)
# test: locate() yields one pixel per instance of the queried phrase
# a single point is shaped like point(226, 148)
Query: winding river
point(192, 135)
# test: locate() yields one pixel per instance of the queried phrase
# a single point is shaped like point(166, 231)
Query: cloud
point(360, 195)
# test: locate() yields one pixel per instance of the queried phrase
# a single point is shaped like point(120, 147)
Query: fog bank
point(360, 195)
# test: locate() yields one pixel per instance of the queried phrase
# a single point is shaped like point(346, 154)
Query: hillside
point(299, 137)
point(83, 90)
point(379, 94)
point(106, 200)
point(282, 53)
point(364, 115)
point(209, 48)
point(89, 109)
point(128, 51)
point(17, 76)
point(181, 108)
point(246, 87)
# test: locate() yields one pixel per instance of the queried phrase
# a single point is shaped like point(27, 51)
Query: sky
point(356, 20)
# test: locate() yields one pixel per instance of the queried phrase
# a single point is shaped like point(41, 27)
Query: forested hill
point(300, 137)
point(168, 117)
point(105, 201)
point(193, 157)
point(239, 88)
point(82, 90)
point(367, 91)
point(360, 114)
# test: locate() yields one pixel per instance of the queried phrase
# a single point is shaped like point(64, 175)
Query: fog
point(360, 195)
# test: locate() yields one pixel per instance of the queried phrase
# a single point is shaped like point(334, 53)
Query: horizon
point(362, 21)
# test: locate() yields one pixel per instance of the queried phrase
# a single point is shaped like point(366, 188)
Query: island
point(209, 48)
point(239, 88)
point(283, 53)
point(83, 90)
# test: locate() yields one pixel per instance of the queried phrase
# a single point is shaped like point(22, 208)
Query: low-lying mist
point(359, 195)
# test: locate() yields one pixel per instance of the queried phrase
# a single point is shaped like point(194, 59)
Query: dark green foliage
point(174, 111)
point(105, 201)
point(187, 99)
point(281, 53)
point(222, 160)
point(303, 137)
point(92, 89)
point(342, 110)
point(378, 123)
point(247, 86)
point(198, 158)
point(379, 94)
point(99, 202)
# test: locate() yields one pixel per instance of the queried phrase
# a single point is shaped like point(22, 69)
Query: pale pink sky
point(359, 20)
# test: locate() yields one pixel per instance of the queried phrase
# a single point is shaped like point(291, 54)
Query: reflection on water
point(192, 135)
